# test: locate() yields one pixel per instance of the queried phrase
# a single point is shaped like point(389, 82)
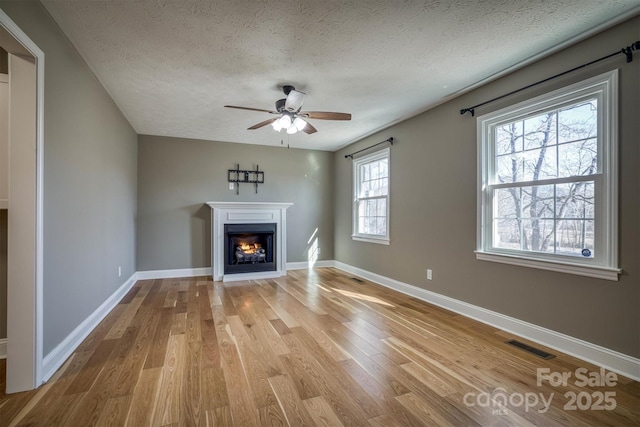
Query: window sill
point(597, 272)
point(378, 240)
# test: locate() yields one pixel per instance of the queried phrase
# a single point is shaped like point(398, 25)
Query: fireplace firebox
point(249, 248)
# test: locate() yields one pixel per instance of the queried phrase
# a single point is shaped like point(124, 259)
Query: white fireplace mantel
point(243, 213)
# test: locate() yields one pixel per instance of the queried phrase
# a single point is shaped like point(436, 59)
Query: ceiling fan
point(290, 117)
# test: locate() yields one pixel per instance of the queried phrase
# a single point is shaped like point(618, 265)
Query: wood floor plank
point(158, 348)
point(214, 389)
point(115, 411)
point(86, 377)
point(191, 393)
point(169, 390)
point(321, 412)
point(422, 409)
point(124, 321)
point(315, 347)
point(241, 397)
point(272, 415)
point(289, 401)
point(144, 398)
point(92, 405)
point(255, 371)
point(329, 382)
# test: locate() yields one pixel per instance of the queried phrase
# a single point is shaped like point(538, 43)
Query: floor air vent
point(357, 280)
point(532, 350)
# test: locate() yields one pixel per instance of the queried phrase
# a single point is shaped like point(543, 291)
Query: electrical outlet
point(231, 186)
point(119, 271)
point(319, 250)
point(429, 274)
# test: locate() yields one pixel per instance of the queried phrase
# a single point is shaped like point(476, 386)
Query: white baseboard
point(601, 356)
point(62, 351)
point(3, 348)
point(306, 265)
point(170, 274)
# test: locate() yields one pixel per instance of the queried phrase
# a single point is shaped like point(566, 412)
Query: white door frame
point(29, 347)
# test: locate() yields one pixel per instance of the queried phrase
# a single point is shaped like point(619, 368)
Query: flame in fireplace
point(250, 248)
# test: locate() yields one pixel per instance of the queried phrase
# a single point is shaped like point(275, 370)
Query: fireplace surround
point(261, 223)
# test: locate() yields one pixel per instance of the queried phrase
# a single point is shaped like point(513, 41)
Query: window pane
point(375, 170)
point(509, 138)
point(574, 236)
point(507, 203)
point(384, 168)
point(578, 158)
point(506, 234)
point(575, 200)
point(364, 173)
point(578, 121)
point(539, 164)
point(372, 217)
point(509, 168)
point(382, 207)
point(537, 235)
point(540, 131)
point(537, 201)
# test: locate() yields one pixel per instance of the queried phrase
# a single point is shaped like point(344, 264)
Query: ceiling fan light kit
point(292, 119)
point(285, 123)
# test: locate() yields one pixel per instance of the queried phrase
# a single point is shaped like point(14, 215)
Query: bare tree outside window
point(543, 202)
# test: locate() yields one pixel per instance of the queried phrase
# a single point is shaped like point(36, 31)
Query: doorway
point(24, 208)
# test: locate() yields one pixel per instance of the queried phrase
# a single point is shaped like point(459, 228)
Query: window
point(547, 187)
point(371, 197)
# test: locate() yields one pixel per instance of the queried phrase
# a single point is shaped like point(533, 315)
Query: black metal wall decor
point(239, 176)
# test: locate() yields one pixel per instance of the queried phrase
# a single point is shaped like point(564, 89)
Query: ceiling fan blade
point(252, 109)
point(326, 115)
point(266, 122)
point(295, 98)
point(309, 129)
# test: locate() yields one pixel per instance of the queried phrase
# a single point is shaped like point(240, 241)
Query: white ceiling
point(171, 65)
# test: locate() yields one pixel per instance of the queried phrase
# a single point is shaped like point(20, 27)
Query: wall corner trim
point(62, 351)
point(615, 361)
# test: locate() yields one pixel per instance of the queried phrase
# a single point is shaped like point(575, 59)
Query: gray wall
point(433, 208)
point(90, 157)
point(176, 177)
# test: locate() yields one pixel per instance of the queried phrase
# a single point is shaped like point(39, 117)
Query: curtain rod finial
point(628, 51)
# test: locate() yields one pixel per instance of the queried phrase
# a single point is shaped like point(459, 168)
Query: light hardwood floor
point(315, 348)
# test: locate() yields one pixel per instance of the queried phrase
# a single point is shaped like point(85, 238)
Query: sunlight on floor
point(312, 253)
point(363, 297)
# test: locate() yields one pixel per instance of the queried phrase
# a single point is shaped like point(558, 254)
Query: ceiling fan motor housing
point(287, 88)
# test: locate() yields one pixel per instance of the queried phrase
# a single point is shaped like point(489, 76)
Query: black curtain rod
point(364, 149)
point(628, 51)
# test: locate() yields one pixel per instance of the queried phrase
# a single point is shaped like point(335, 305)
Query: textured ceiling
point(171, 66)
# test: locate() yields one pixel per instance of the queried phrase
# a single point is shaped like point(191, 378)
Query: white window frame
point(373, 157)
point(604, 264)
